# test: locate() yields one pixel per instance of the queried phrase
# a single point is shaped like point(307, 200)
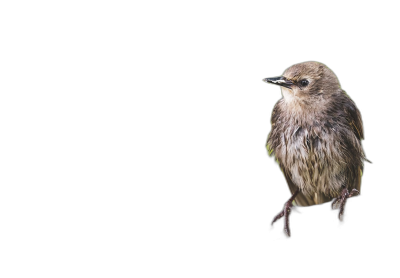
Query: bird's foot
point(285, 213)
point(340, 202)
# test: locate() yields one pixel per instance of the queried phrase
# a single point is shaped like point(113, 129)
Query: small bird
point(316, 138)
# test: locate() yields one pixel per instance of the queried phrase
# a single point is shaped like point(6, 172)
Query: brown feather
point(316, 136)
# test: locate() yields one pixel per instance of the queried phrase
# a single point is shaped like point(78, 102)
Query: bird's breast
point(308, 155)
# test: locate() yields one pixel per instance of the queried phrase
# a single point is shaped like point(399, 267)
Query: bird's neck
point(303, 111)
point(307, 107)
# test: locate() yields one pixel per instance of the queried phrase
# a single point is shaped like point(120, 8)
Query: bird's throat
point(288, 95)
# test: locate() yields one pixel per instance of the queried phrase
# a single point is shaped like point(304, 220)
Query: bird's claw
point(340, 202)
point(285, 212)
point(354, 192)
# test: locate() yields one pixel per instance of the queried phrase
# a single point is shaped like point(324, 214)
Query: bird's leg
point(340, 202)
point(285, 212)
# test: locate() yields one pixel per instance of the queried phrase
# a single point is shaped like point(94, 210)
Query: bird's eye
point(304, 82)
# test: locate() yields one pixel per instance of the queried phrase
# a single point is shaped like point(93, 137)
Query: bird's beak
point(280, 80)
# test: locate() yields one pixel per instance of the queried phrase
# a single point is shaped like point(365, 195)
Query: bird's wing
point(354, 119)
point(353, 116)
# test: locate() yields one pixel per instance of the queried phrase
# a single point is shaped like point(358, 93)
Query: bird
point(315, 137)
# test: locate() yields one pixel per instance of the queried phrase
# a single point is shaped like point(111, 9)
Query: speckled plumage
point(316, 135)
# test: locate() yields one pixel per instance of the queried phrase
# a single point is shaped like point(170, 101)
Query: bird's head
point(307, 84)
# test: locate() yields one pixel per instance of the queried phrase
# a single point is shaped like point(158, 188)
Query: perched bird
point(316, 138)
